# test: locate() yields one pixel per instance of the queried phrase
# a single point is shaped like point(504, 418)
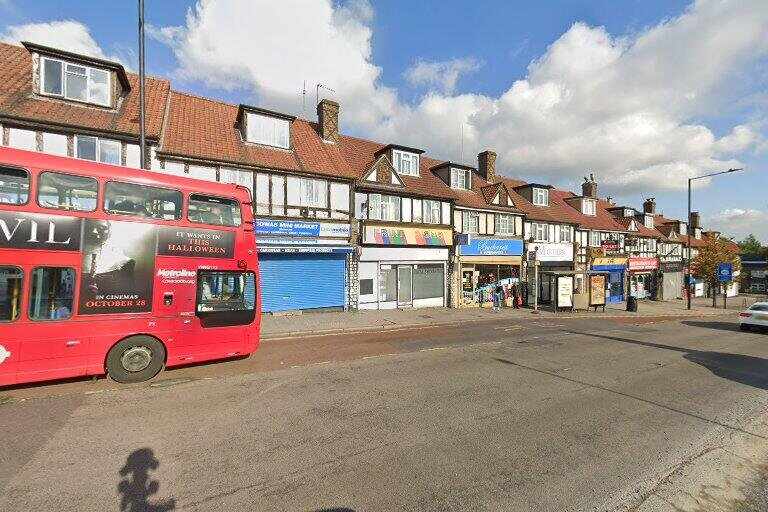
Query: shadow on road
point(136, 486)
point(721, 326)
point(341, 509)
point(747, 370)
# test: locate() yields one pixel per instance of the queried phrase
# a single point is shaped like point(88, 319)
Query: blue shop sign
point(492, 247)
point(301, 228)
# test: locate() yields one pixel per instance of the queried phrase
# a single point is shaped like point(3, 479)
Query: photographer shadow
point(136, 486)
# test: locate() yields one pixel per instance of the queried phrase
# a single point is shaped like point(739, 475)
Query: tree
point(714, 252)
point(751, 245)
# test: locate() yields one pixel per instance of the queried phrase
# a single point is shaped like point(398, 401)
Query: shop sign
point(643, 263)
point(671, 266)
point(609, 245)
point(402, 235)
point(595, 252)
point(301, 228)
point(554, 252)
point(492, 247)
point(599, 262)
point(304, 249)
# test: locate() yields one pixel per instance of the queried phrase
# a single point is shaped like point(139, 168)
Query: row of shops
point(312, 265)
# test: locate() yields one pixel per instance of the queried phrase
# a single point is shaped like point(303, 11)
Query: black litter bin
point(631, 303)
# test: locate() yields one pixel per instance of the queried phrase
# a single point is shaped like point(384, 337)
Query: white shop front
point(407, 269)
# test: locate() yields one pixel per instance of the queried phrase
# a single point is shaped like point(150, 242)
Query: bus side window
point(14, 186)
point(10, 293)
point(51, 294)
point(214, 210)
point(67, 192)
point(142, 201)
point(226, 297)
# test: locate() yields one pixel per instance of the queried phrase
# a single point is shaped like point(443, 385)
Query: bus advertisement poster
point(200, 243)
point(118, 267)
point(37, 231)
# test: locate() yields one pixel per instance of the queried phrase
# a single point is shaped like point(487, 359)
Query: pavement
point(604, 414)
point(300, 324)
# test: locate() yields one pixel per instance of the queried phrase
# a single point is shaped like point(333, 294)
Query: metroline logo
point(174, 274)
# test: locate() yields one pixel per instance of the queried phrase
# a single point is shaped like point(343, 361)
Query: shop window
point(14, 186)
point(428, 281)
point(50, 297)
point(67, 192)
point(10, 293)
point(366, 287)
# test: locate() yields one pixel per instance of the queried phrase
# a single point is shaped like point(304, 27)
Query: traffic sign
point(724, 272)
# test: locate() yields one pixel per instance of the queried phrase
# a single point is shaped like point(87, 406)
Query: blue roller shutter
point(302, 281)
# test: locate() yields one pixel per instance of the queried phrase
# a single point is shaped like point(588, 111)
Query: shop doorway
point(404, 285)
point(640, 285)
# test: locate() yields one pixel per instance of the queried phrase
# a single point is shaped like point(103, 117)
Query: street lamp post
point(142, 106)
point(688, 236)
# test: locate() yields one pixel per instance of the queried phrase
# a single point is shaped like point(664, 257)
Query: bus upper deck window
point(214, 210)
point(142, 201)
point(14, 186)
point(10, 293)
point(67, 192)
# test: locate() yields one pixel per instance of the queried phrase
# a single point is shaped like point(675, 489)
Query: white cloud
point(625, 108)
point(67, 35)
point(440, 75)
point(740, 222)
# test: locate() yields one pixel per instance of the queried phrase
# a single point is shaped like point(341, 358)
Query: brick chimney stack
point(695, 221)
point(328, 119)
point(649, 206)
point(589, 187)
point(486, 165)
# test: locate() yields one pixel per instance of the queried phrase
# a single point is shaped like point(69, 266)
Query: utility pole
point(142, 107)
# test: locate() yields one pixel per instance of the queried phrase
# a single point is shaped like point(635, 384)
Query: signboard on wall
point(406, 235)
point(609, 245)
point(492, 247)
point(598, 262)
point(301, 228)
point(554, 252)
point(643, 263)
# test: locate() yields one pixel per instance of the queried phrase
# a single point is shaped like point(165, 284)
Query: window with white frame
point(461, 178)
point(565, 234)
point(97, 149)
point(75, 82)
point(683, 228)
point(540, 232)
point(313, 193)
point(540, 196)
point(384, 207)
point(405, 163)
point(589, 207)
point(263, 129)
point(22, 139)
point(470, 222)
point(505, 224)
point(431, 211)
point(594, 239)
point(648, 221)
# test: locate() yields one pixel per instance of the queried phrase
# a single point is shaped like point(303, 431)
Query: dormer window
point(461, 178)
point(268, 130)
point(405, 162)
point(628, 212)
point(683, 228)
point(540, 196)
point(648, 221)
point(589, 207)
point(75, 82)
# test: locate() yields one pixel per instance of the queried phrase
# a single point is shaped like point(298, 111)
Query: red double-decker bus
point(120, 271)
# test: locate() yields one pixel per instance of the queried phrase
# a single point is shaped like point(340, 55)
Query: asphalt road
point(555, 415)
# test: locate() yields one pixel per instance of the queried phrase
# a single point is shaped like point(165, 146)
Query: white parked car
point(755, 317)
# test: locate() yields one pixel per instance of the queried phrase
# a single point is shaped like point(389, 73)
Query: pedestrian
point(498, 293)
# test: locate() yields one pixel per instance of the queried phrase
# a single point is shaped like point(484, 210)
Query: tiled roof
point(205, 129)
point(359, 155)
point(17, 100)
point(641, 229)
point(482, 195)
point(601, 221)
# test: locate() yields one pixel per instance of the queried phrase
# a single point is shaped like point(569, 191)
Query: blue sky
point(412, 72)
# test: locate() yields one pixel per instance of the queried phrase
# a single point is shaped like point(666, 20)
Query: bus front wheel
point(135, 359)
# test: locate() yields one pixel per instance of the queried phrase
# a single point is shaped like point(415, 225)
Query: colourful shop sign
point(492, 247)
point(401, 235)
point(643, 263)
